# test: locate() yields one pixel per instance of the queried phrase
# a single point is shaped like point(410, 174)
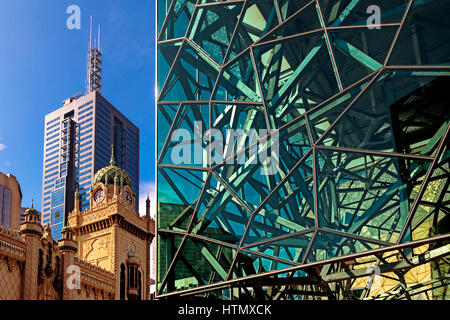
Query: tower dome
point(112, 174)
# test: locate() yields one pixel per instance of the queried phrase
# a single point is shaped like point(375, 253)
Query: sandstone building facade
point(10, 201)
point(104, 253)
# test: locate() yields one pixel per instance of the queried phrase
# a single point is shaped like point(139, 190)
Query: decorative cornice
point(98, 282)
point(10, 233)
point(10, 249)
point(91, 267)
point(112, 211)
point(128, 226)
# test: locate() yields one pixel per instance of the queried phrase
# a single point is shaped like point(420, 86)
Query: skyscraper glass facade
point(349, 98)
point(78, 140)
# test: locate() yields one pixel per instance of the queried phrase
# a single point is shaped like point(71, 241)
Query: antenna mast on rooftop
point(95, 59)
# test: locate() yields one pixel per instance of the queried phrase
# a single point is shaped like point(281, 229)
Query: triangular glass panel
point(166, 116)
point(258, 18)
point(172, 89)
point(381, 117)
point(289, 7)
point(187, 143)
point(288, 209)
point(431, 217)
point(199, 263)
point(359, 52)
point(292, 248)
point(367, 195)
point(296, 75)
point(237, 81)
point(361, 13)
point(323, 117)
point(166, 57)
point(168, 244)
point(327, 245)
point(178, 193)
point(248, 264)
point(213, 34)
point(219, 215)
point(423, 40)
point(177, 20)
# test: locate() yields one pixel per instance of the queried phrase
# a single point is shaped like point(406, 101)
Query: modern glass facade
point(351, 96)
point(78, 140)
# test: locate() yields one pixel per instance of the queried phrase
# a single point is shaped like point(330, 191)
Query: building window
point(139, 285)
point(122, 282)
point(5, 207)
point(119, 143)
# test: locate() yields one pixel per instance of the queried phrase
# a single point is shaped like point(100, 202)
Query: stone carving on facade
point(98, 252)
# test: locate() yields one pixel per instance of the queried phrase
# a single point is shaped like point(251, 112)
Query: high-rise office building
point(77, 143)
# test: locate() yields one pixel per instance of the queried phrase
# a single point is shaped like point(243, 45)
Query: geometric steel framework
point(362, 119)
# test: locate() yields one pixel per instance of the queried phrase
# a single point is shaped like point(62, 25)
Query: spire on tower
point(112, 162)
point(95, 59)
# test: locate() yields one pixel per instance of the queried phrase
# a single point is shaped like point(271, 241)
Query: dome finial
point(112, 162)
point(32, 200)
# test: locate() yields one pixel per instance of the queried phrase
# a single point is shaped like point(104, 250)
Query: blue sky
point(42, 62)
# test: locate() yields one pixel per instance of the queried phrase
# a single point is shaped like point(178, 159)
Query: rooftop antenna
point(95, 59)
point(90, 34)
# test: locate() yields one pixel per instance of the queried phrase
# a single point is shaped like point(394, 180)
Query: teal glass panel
point(328, 245)
point(178, 194)
point(367, 195)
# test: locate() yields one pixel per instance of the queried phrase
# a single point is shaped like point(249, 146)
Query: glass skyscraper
point(351, 99)
point(78, 140)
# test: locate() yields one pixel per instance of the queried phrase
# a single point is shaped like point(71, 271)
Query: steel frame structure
point(362, 123)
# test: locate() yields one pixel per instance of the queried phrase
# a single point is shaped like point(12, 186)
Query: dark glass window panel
point(291, 249)
point(327, 245)
point(249, 263)
point(424, 38)
point(178, 195)
point(199, 263)
point(296, 75)
point(178, 16)
point(187, 142)
point(369, 122)
point(215, 32)
point(349, 12)
point(288, 209)
point(367, 195)
point(258, 19)
point(219, 215)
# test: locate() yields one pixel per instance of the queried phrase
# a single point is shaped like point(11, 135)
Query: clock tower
point(112, 235)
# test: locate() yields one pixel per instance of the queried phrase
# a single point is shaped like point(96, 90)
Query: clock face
point(99, 195)
point(127, 197)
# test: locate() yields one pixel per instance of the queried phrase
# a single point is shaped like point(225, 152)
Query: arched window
point(122, 282)
point(139, 286)
point(131, 278)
